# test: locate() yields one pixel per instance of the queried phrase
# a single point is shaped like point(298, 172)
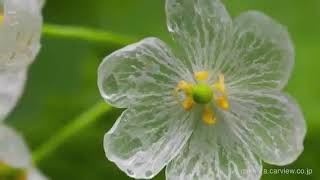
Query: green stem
point(79, 123)
point(86, 34)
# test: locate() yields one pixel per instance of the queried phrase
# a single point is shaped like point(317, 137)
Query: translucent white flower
point(213, 109)
point(15, 159)
point(20, 30)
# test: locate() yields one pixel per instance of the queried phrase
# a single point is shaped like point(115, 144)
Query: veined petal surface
point(214, 153)
point(261, 54)
point(270, 123)
point(202, 29)
point(146, 138)
point(147, 69)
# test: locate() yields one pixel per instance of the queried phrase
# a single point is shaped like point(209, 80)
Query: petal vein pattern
point(270, 123)
point(145, 138)
point(138, 72)
point(213, 153)
point(201, 29)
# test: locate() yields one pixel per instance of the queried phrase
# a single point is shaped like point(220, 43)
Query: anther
point(208, 116)
point(222, 96)
point(201, 75)
point(186, 87)
point(222, 102)
point(220, 84)
point(188, 103)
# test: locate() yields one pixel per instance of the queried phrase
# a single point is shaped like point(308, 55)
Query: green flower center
point(10, 173)
point(202, 93)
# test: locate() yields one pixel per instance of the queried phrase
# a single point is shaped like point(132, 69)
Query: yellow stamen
point(201, 75)
point(222, 99)
point(186, 87)
point(188, 103)
point(208, 117)
point(223, 102)
point(1, 18)
point(220, 85)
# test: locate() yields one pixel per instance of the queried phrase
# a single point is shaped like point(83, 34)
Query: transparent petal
point(12, 82)
point(271, 123)
point(201, 28)
point(144, 139)
point(13, 150)
point(35, 174)
point(145, 69)
point(214, 153)
point(20, 32)
point(262, 54)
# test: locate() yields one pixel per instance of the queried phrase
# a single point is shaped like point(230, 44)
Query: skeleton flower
point(213, 109)
point(20, 30)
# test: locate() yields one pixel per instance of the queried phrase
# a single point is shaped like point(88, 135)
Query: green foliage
point(62, 82)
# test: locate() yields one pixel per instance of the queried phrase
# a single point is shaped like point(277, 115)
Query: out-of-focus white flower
point(15, 159)
point(20, 31)
point(212, 110)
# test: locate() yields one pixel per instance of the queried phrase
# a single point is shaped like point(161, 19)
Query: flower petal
point(213, 153)
point(262, 54)
point(145, 69)
point(201, 29)
point(35, 174)
point(13, 150)
point(20, 32)
point(144, 139)
point(12, 83)
point(270, 123)
point(20, 41)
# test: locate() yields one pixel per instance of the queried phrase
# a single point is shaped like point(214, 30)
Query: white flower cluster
point(20, 31)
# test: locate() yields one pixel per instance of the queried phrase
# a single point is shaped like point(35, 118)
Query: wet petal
point(213, 153)
point(271, 124)
point(145, 69)
point(201, 29)
point(11, 82)
point(13, 150)
point(144, 139)
point(262, 54)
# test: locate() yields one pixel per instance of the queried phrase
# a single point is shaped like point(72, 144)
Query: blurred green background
point(62, 81)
